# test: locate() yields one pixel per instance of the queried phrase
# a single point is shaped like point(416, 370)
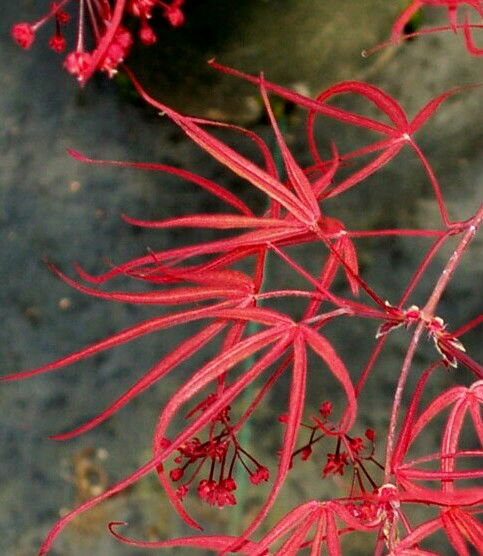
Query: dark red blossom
point(57, 43)
point(325, 409)
point(261, 474)
point(146, 34)
point(78, 63)
point(335, 464)
point(117, 50)
point(23, 34)
point(141, 8)
point(173, 13)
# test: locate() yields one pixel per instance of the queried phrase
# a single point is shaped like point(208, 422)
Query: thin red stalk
point(427, 313)
point(270, 165)
point(395, 232)
point(434, 183)
point(449, 269)
point(463, 329)
point(330, 297)
point(439, 456)
point(53, 10)
point(321, 319)
point(370, 364)
point(284, 293)
point(315, 105)
point(368, 52)
point(421, 268)
point(410, 416)
point(80, 32)
point(94, 24)
point(205, 183)
point(263, 392)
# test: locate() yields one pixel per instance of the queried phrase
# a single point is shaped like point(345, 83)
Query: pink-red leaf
point(296, 177)
point(145, 327)
point(158, 371)
point(174, 296)
point(206, 542)
point(214, 221)
point(294, 416)
point(233, 160)
point(325, 351)
point(206, 184)
point(210, 372)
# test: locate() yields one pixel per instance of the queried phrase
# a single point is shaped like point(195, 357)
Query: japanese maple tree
point(225, 283)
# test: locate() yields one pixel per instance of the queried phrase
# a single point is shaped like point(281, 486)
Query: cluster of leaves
point(111, 40)
point(206, 280)
point(403, 21)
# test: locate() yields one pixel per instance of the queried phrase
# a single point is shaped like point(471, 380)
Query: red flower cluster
point(349, 451)
point(110, 39)
point(220, 453)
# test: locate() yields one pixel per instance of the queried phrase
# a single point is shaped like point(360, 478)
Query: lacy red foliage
point(203, 278)
point(472, 9)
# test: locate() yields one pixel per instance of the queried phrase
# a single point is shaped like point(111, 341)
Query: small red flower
point(335, 464)
point(23, 34)
point(62, 17)
point(174, 14)
point(219, 455)
point(182, 491)
point(57, 43)
point(176, 474)
point(229, 484)
point(141, 8)
point(147, 35)
point(370, 435)
point(206, 488)
point(306, 453)
point(78, 63)
point(110, 40)
point(261, 474)
point(117, 50)
point(356, 444)
point(217, 494)
point(325, 409)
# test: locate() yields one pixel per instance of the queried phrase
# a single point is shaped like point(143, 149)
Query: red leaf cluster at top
point(474, 7)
